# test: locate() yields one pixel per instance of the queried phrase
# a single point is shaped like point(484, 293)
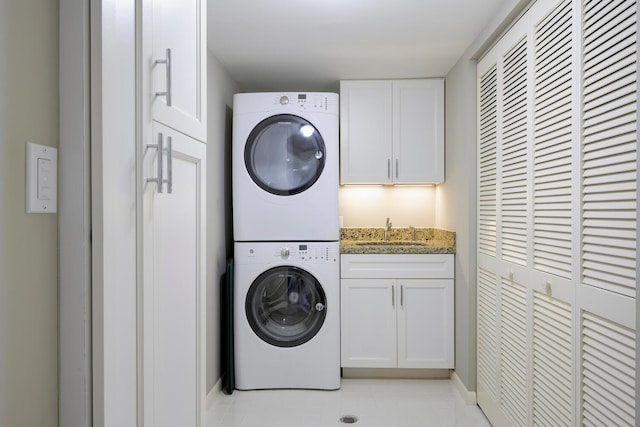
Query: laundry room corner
point(220, 90)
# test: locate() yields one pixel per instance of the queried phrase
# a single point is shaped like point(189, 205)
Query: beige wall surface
point(28, 242)
point(369, 206)
point(456, 198)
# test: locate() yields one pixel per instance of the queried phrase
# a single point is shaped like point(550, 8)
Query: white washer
point(287, 315)
point(285, 166)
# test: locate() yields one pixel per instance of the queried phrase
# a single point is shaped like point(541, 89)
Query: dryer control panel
point(308, 252)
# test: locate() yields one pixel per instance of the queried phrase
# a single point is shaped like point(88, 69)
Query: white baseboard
point(214, 393)
point(469, 397)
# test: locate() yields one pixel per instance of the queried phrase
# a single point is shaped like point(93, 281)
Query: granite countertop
point(371, 241)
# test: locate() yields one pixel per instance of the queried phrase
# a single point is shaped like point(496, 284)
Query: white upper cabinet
point(366, 131)
point(392, 131)
point(178, 66)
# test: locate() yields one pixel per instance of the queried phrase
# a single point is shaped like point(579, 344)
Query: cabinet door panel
point(418, 130)
point(368, 308)
point(179, 26)
point(173, 288)
point(425, 324)
point(365, 131)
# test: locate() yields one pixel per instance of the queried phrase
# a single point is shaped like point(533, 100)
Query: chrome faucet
point(387, 227)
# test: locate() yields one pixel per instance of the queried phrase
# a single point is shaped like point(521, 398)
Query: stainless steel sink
point(391, 243)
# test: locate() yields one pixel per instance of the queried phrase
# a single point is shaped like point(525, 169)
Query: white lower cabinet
point(397, 311)
point(173, 294)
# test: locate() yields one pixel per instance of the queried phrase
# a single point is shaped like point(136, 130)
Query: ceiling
point(277, 45)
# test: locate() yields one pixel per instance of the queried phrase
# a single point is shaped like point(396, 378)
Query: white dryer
point(285, 166)
point(287, 315)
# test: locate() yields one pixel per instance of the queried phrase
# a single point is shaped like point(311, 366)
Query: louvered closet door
point(514, 154)
point(609, 147)
point(487, 196)
point(552, 370)
point(513, 351)
point(488, 341)
point(557, 217)
point(607, 289)
point(554, 96)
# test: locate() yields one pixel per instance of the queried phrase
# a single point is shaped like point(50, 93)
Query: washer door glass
point(286, 306)
point(284, 154)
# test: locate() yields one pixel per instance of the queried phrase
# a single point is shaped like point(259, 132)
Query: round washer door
point(284, 154)
point(286, 306)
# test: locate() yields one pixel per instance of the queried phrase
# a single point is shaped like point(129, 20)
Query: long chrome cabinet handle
point(167, 62)
point(401, 295)
point(389, 168)
point(393, 295)
point(158, 179)
point(397, 169)
point(169, 179)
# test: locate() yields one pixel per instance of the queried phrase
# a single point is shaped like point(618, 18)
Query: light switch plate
point(42, 179)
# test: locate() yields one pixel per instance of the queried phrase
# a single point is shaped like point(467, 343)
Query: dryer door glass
point(284, 154)
point(286, 306)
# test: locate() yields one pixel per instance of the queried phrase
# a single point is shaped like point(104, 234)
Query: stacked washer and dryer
point(286, 232)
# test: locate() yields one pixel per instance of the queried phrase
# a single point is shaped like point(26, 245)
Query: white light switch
point(42, 178)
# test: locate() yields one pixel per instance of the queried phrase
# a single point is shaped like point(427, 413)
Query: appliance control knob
point(285, 252)
point(284, 100)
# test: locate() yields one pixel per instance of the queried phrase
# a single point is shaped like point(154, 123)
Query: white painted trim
point(213, 393)
point(469, 397)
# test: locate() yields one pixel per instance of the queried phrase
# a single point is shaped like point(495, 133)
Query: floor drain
point(349, 419)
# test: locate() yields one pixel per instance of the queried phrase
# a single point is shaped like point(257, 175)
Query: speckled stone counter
point(371, 241)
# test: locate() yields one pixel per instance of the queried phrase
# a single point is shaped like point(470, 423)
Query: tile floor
point(376, 403)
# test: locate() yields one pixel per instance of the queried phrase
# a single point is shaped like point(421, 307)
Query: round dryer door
point(286, 306)
point(284, 154)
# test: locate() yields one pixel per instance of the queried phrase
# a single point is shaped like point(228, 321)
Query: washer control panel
point(303, 101)
point(307, 252)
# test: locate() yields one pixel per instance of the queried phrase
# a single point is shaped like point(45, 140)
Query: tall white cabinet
point(557, 217)
point(392, 131)
point(173, 136)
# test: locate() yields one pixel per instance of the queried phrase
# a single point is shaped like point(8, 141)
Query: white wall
point(369, 206)
point(456, 198)
point(219, 231)
point(28, 242)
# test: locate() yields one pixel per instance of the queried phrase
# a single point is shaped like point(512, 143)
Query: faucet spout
point(387, 227)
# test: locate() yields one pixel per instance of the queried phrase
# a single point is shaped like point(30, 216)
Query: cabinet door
point(173, 293)
point(418, 131)
point(180, 27)
point(365, 131)
point(368, 335)
point(425, 323)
